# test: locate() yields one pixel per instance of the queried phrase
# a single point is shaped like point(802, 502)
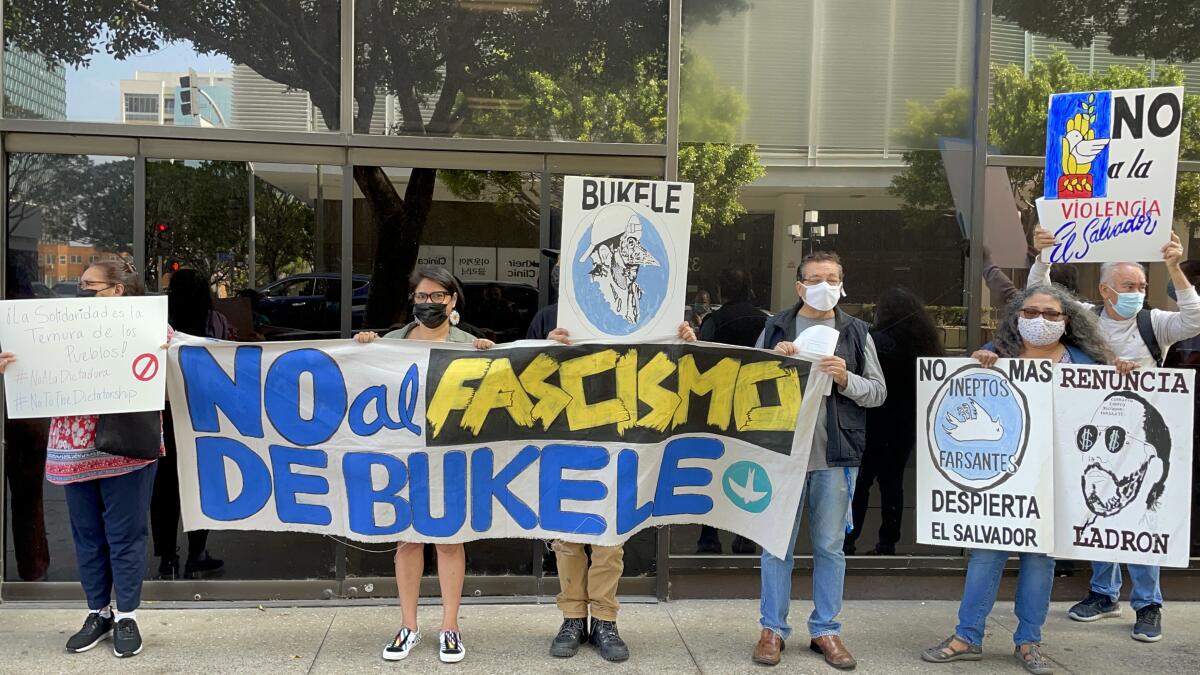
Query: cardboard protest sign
point(1111, 158)
point(983, 454)
point(84, 356)
point(624, 253)
point(402, 440)
point(1123, 464)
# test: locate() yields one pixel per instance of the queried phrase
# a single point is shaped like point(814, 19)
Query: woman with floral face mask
point(108, 498)
point(435, 294)
point(1044, 322)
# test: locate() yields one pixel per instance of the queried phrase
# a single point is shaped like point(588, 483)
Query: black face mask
point(85, 292)
point(430, 314)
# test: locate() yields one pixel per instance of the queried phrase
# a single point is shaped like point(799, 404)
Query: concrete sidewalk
point(691, 636)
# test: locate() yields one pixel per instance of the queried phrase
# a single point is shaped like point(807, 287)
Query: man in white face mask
point(837, 450)
point(1139, 337)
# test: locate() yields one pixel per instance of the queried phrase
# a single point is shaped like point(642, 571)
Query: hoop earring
point(454, 318)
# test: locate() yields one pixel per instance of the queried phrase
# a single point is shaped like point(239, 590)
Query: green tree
point(1160, 29)
point(709, 118)
point(439, 58)
point(1017, 125)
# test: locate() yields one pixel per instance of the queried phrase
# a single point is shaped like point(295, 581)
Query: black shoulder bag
point(137, 434)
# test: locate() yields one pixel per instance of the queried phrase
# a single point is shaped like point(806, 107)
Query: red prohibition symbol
point(145, 367)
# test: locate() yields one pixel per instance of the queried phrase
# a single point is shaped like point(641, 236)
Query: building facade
point(337, 124)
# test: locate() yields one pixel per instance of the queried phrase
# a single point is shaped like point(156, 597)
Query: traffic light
point(174, 266)
point(162, 236)
point(189, 95)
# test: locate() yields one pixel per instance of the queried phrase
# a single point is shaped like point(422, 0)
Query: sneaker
point(95, 629)
point(1095, 607)
point(1149, 624)
point(450, 647)
point(571, 634)
point(127, 639)
point(203, 566)
point(604, 635)
point(401, 645)
point(168, 567)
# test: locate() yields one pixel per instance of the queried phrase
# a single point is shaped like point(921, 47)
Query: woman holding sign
point(108, 495)
point(1044, 322)
point(436, 293)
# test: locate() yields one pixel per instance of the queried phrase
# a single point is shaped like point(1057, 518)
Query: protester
point(108, 500)
point(436, 295)
point(590, 581)
point(839, 442)
point(1186, 354)
point(1003, 290)
point(737, 322)
point(1044, 322)
point(189, 310)
point(1139, 337)
point(547, 317)
point(902, 332)
point(700, 308)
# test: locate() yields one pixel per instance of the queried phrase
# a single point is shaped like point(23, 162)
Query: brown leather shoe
point(835, 652)
point(768, 648)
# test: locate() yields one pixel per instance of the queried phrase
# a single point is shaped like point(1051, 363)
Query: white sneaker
point(401, 645)
point(450, 647)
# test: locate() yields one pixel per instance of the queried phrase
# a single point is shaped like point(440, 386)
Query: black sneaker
point(168, 567)
point(95, 629)
point(201, 567)
point(604, 635)
point(743, 546)
point(1095, 607)
point(571, 634)
point(1149, 624)
point(127, 639)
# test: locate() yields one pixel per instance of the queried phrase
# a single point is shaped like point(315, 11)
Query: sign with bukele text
point(407, 441)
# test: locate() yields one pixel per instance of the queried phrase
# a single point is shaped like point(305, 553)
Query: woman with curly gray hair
point(1044, 322)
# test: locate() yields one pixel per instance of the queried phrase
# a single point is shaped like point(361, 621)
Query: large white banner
point(402, 440)
point(624, 257)
point(1111, 158)
point(1123, 464)
point(984, 476)
point(84, 356)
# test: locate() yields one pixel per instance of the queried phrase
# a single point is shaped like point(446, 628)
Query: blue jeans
point(984, 570)
point(109, 523)
point(1106, 580)
point(828, 494)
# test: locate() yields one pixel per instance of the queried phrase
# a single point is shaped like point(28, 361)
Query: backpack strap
point(1145, 326)
point(1098, 309)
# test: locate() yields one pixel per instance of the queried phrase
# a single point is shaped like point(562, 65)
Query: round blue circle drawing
point(978, 428)
point(747, 486)
point(620, 270)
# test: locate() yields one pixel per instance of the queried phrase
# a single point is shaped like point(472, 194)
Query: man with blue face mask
point(1140, 338)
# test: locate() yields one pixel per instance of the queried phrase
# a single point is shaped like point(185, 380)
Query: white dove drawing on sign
point(746, 492)
point(972, 423)
point(1084, 150)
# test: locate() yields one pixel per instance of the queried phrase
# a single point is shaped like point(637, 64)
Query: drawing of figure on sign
point(1082, 121)
point(978, 428)
point(621, 269)
point(1120, 445)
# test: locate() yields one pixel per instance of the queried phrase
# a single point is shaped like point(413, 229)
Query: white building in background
point(151, 98)
point(263, 104)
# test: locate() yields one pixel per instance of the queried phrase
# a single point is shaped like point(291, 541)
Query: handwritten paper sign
point(1123, 464)
point(984, 466)
point(1111, 158)
point(625, 247)
point(84, 356)
point(400, 440)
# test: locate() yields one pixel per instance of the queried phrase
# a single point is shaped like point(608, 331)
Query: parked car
point(41, 290)
point(311, 301)
point(66, 289)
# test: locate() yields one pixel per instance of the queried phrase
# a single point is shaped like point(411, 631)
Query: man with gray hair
point(1140, 338)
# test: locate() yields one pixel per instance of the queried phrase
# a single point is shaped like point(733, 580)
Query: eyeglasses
point(91, 286)
point(440, 297)
point(1048, 314)
point(813, 281)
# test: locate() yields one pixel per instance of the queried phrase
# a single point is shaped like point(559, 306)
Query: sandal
point(945, 652)
point(1032, 659)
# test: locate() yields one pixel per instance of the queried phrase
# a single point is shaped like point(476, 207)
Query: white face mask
point(1039, 332)
point(823, 296)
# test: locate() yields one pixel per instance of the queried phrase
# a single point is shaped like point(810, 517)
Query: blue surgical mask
point(1129, 304)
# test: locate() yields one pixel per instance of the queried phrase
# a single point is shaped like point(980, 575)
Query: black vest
point(845, 420)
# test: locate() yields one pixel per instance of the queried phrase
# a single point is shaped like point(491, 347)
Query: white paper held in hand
point(815, 343)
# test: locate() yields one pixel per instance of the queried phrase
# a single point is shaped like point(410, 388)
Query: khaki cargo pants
point(584, 585)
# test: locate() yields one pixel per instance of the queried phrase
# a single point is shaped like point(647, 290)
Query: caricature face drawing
point(617, 255)
point(1119, 446)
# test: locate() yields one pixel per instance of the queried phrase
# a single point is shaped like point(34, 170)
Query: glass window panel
point(269, 66)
